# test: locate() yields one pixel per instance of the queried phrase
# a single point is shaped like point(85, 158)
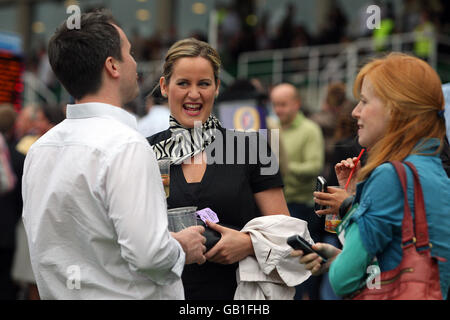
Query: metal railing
point(309, 68)
point(313, 68)
point(36, 90)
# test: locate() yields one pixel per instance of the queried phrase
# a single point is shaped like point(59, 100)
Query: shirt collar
point(297, 120)
point(427, 146)
point(424, 146)
point(102, 110)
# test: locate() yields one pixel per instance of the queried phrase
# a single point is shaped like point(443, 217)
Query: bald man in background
point(304, 144)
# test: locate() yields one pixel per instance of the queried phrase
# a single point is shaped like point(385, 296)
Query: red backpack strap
point(407, 223)
point(420, 217)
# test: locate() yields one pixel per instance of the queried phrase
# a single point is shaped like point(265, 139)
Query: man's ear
point(112, 67)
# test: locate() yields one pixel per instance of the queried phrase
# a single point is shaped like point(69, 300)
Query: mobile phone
point(298, 243)
point(321, 186)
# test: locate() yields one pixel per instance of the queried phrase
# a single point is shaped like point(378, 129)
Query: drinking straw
point(354, 168)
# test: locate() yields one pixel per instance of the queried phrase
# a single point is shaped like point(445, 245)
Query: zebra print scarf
point(186, 143)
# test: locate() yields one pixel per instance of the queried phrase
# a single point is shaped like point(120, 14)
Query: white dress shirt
point(95, 211)
point(156, 120)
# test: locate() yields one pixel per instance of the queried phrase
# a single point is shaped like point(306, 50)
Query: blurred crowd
point(240, 30)
point(19, 131)
point(236, 35)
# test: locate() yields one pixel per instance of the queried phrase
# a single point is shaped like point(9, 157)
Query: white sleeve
point(137, 207)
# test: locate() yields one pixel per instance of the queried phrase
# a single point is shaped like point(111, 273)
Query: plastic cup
point(164, 170)
point(332, 220)
point(181, 218)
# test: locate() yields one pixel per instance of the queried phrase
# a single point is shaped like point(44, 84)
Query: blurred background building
point(308, 43)
point(318, 46)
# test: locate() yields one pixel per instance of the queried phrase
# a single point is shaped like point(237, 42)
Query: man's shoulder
point(116, 135)
point(99, 133)
point(306, 128)
point(311, 124)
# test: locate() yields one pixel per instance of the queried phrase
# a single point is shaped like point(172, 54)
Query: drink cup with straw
point(333, 220)
point(354, 168)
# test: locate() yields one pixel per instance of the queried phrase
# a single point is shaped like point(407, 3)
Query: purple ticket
point(207, 214)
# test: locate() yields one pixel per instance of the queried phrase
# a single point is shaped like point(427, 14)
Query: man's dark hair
point(77, 56)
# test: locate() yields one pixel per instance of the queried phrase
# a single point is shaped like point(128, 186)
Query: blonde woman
point(400, 117)
point(206, 173)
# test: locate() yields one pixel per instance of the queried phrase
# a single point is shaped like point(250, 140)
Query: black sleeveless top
point(227, 187)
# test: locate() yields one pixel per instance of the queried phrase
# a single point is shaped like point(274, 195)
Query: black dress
point(228, 190)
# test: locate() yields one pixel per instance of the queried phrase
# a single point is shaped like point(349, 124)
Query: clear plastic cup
point(332, 220)
point(164, 169)
point(181, 218)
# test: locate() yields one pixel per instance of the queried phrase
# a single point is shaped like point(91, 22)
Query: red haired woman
point(400, 117)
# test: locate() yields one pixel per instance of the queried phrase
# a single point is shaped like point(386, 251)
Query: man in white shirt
point(94, 204)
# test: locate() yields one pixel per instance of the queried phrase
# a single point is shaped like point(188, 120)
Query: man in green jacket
point(304, 145)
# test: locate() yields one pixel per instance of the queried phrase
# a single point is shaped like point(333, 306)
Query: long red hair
point(412, 92)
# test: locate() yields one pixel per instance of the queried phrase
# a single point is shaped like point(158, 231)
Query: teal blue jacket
point(375, 226)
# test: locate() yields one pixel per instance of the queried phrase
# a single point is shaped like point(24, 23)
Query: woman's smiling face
point(191, 90)
point(373, 117)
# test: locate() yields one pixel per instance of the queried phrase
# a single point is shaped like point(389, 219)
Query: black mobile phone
point(321, 186)
point(298, 243)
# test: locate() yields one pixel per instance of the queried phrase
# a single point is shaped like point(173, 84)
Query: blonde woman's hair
point(412, 92)
point(191, 48)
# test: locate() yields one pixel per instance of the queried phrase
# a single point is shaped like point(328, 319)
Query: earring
point(164, 95)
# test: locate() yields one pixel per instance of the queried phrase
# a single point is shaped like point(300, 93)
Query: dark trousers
point(8, 290)
point(311, 287)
